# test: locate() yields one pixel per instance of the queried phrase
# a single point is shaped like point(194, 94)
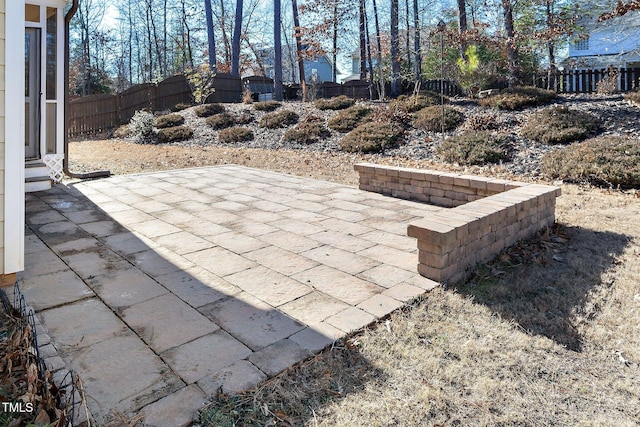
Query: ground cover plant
point(609, 161)
point(221, 121)
point(207, 110)
point(560, 125)
point(308, 131)
point(168, 120)
point(519, 97)
point(336, 103)
point(430, 118)
point(371, 137)
point(267, 105)
point(174, 134)
point(473, 148)
point(349, 119)
point(633, 97)
point(278, 119)
point(235, 134)
point(413, 103)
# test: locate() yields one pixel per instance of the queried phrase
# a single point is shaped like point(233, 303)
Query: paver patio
point(158, 288)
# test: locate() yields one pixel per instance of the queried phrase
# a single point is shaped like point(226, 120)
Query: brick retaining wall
point(481, 216)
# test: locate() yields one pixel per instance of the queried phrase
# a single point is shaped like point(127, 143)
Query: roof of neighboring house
point(602, 61)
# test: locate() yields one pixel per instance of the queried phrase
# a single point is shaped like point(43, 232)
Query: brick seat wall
point(481, 216)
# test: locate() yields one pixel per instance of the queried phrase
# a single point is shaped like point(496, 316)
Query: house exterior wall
point(323, 68)
point(3, 16)
point(11, 136)
point(611, 37)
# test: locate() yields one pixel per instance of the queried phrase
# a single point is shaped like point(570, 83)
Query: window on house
point(582, 44)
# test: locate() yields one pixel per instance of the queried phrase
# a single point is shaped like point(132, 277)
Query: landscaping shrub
point(411, 104)
point(141, 125)
point(483, 121)
point(244, 118)
point(349, 119)
point(180, 107)
point(473, 148)
point(371, 137)
point(220, 121)
point(307, 132)
point(122, 132)
point(174, 134)
point(633, 97)
point(207, 110)
point(609, 160)
point(267, 105)
point(430, 118)
point(235, 134)
point(280, 119)
point(336, 103)
point(519, 97)
point(168, 120)
point(560, 125)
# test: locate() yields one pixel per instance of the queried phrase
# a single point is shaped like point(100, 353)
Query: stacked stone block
point(485, 215)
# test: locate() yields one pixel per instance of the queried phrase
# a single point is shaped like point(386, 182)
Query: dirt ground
point(547, 334)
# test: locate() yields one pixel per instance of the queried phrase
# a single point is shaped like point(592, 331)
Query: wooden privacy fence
point(99, 113)
point(587, 81)
point(447, 87)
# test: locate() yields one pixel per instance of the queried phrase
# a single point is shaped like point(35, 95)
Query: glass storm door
point(32, 92)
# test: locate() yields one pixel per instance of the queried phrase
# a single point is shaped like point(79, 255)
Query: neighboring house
point(355, 67)
point(31, 131)
point(613, 42)
point(316, 70)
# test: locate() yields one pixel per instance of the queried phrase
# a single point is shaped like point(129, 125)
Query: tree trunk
point(296, 26)
point(211, 38)
point(334, 47)
point(277, 50)
point(395, 51)
point(462, 24)
point(369, 60)
point(511, 48)
point(417, 63)
point(225, 38)
point(379, 58)
point(363, 42)
point(408, 38)
point(551, 75)
point(237, 30)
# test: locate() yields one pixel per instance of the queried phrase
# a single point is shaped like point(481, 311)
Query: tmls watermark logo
point(17, 407)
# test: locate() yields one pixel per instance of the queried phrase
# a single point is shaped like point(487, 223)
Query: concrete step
point(35, 169)
point(37, 183)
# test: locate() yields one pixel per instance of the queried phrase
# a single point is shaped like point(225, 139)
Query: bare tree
point(363, 40)
point(299, 49)
point(277, 48)
point(211, 37)
point(395, 51)
point(237, 31)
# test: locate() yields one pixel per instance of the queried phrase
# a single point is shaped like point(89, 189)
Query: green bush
point(220, 121)
point(349, 119)
point(560, 125)
point(279, 119)
point(411, 104)
point(609, 161)
point(168, 120)
point(633, 97)
point(473, 148)
point(174, 134)
point(371, 137)
point(519, 97)
point(208, 110)
point(430, 118)
point(235, 134)
point(267, 105)
point(336, 103)
point(307, 132)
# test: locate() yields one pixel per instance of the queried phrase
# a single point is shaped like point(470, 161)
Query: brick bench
point(479, 217)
